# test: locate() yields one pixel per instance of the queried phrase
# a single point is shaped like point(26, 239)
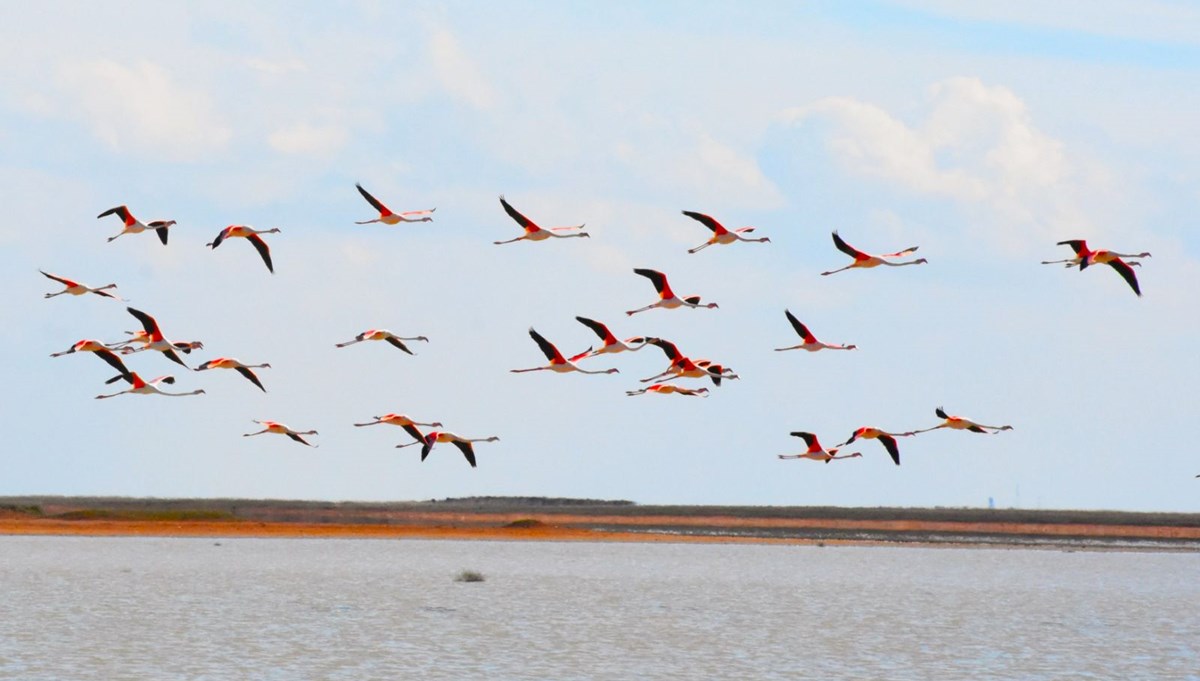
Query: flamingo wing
point(467, 450)
point(889, 443)
point(412, 430)
point(65, 282)
point(847, 248)
point(1126, 273)
point(121, 212)
point(716, 227)
point(1077, 245)
point(657, 278)
point(148, 323)
point(941, 413)
point(809, 438)
point(251, 377)
point(547, 347)
point(800, 328)
point(383, 210)
point(297, 438)
point(429, 440)
point(668, 348)
point(116, 363)
point(398, 343)
point(525, 222)
point(220, 237)
point(600, 329)
point(263, 249)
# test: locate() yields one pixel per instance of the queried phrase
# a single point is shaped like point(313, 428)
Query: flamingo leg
point(842, 269)
point(499, 243)
point(701, 247)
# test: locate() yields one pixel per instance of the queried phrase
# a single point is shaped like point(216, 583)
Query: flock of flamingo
point(680, 366)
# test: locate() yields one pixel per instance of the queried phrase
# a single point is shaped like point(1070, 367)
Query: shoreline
point(588, 524)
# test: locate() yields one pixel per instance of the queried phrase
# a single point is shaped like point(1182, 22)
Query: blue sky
point(984, 134)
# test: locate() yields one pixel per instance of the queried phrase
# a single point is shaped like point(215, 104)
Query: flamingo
point(384, 335)
point(144, 338)
point(100, 350)
point(865, 260)
point(888, 440)
point(810, 341)
point(231, 363)
point(666, 297)
point(459, 441)
point(667, 389)
point(143, 387)
point(815, 451)
point(611, 344)
point(156, 340)
point(1085, 256)
point(557, 362)
point(280, 429)
point(77, 289)
point(407, 423)
point(387, 217)
point(960, 423)
point(135, 226)
point(250, 234)
point(721, 235)
point(685, 367)
point(532, 231)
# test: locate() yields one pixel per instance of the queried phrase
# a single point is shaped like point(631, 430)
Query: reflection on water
point(137, 608)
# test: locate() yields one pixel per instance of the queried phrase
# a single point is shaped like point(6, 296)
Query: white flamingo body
point(867, 261)
point(102, 351)
point(404, 421)
point(143, 387)
point(134, 226)
point(384, 335)
point(666, 297)
point(888, 440)
point(682, 366)
point(387, 217)
point(280, 429)
point(720, 234)
point(154, 339)
point(535, 233)
point(810, 343)
point(1084, 257)
point(558, 363)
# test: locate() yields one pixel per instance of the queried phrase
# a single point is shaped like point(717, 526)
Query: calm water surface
point(138, 608)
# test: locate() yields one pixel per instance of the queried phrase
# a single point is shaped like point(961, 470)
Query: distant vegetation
point(469, 576)
point(147, 515)
point(526, 523)
point(26, 509)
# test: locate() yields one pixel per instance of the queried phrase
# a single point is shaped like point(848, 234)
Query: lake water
point(151, 608)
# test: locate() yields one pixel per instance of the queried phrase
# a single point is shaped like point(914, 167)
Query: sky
point(983, 133)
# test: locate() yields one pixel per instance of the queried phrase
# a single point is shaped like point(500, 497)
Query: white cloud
point(457, 72)
point(140, 108)
point(977, 145)
point(303, 138)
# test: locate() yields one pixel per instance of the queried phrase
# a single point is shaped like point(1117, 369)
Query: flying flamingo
point(142, 387)
point(611, 344)
point(405, 422)
point(810, 341)
point(888, 440)
point(280, 429)
point(815, 451)
point(721, 235)
point(685, 367)
point(667, 389)
point(251, 235)
point(960, 423)
point(532, 231)
point(135, 226)
point(77, 289)
point(459, 441)
point(387, 217)
point(1084, 257)
point(144, 339)
point(557, 362)
point(156, 342)
point(867, 261)
point(100, 350)
point(383, 335)
point(666, 297)
point(231, 363)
